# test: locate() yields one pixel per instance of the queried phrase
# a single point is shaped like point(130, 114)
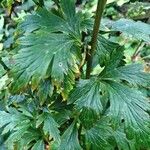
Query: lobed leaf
point(133, 74)
point(87, 95)
point(50, 127)
point(138, 30)
point(26, 140)
point(2, 71)
point(45, 54)
point(42, 19)
point(99, 134)
point(48, 50)
point(68, 8)
point(69, 139)
point(104, 48)
point(122, 142)
point(130, 107)
point(45, 90)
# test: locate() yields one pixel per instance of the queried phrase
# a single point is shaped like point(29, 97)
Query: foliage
point(47, 101)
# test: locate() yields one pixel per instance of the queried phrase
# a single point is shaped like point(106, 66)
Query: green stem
point(99, 12)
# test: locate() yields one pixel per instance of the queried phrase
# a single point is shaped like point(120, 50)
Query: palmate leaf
point(133, 74)
point(16, 123)
point(16, 136)
point(104, 50)
point(126, 106)
point(99, 134)
point(11, 120)
point(44, 54)
point(86, 98)
point(138, 30)
point(69, 139)
point(88, 117)
point(20, 127)
point(122, 142)
point(73, 20)
point(103, 136)
point(105, 47)
point(26, 140)
point(50, 127)
point(43, 19)
point(68, 8)
point(48, 21)
point(87, 95)
point(48, 50)
point(129, 106)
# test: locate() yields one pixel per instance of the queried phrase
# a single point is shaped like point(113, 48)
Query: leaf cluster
point(50, 104)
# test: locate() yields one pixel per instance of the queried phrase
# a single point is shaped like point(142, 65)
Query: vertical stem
point(99, 12)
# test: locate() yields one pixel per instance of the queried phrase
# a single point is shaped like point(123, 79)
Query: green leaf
point(68, 83)
point(43, 19)
point(27, 138)
point(122, 142)
point(49, 126)
point(4, 118)
point(72, 20)
point(138, 30)
point(130, 107)
point(45, 90)
point(49, 51)
point(69, 139)
point(20, 128)
point(62, 116)
point(134, 74)
point(87, 95)
point(68, 8)
point(43, 52)
point(15, 123)
point(88, 118)
point(104, 48)
point(114, 60)
point(16, 136)
point(99, 134)
point(11, 120)
point(49, 22)
point(2, 71)
point(39, 145)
